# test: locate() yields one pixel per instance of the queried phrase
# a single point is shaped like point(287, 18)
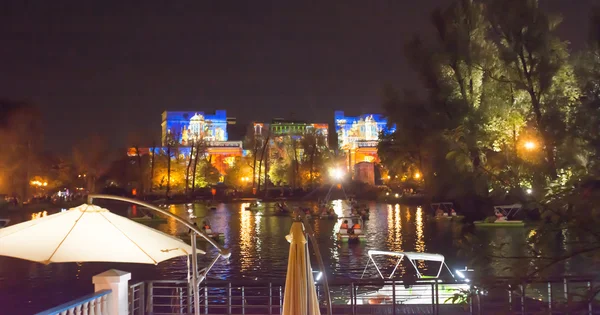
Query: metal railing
point(96, 303)
point(574, 296)
point(137, 296)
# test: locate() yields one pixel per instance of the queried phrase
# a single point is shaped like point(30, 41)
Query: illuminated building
point(280, 128)
point(185, 127)
point(358, 136)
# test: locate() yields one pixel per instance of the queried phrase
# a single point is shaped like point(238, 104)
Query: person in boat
point(453, 212)
point(205, 226)
point(499, 215)
point(344, 225)
point(355, 226)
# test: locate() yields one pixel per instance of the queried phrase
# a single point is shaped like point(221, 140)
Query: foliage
point(240, 174)
point(20, 135)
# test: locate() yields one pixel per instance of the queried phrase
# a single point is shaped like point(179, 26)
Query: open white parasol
point(89, 233)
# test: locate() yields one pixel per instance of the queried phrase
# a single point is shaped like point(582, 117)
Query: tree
point(200, 151)
point(535, 61)
point(153, 153)
point(314, 147)
point(254, 140)
point(20, 132)
point(239, 174)
point(91, 159)
point(189, 165)
point(172, 143)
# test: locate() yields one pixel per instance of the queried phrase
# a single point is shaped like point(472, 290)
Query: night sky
point(114, 66)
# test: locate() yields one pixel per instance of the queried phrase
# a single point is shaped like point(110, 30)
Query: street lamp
point(336, 173)
point(530, 145)
point(417, 175)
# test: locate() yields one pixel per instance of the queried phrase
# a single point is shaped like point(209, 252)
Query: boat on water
point(206, 227)
point(4, 222)
point(255, 206)
point(281, 208)
point(327, 214)
point(415, 287)
point(503, 214)
point(444, 211)
point(149, 219)
point(350, 229)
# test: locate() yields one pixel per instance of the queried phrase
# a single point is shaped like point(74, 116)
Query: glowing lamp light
point(529, 191)
point(530, 145)
point(397, 195)
point(336, 173)
point(417, 175)
point(387, 193)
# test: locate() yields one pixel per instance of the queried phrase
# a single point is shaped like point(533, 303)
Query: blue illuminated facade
point(185, 127)
point(352, 130)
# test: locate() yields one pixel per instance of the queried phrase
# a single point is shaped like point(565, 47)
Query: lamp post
point(222, 252)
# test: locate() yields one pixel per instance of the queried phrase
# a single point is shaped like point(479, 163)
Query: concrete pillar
point(118, 282)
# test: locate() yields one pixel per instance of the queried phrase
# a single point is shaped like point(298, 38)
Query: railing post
point(270, 298)
point(180, 297)
point(510, 298)
point(229, 298)
point(566, 288)
point(150, 301)
point(190, 295)
point(394, 297)
point(142, 298)
point(117, 281)
point(280, 300)
point(471, 303)
point(205, 299)
point(589, 285)
point(353, 299)
point(243, 302)
point(522, 299)
point(432, 298)
point(437, 298)
point(550, 297)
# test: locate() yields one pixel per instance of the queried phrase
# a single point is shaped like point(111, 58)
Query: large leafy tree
point(535, 61)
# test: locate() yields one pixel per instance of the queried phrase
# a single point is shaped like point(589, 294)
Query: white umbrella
point(300, 296)
point(89, 233)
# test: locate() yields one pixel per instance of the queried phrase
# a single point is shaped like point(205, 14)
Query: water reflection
point(38, 215)
point(420, 244)
point(248, 240)
point(338, 207)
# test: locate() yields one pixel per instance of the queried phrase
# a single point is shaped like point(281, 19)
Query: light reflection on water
point(260, 250)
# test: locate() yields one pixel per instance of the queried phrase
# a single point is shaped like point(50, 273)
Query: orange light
point(530, 145)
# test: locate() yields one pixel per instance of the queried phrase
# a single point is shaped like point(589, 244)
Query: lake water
point(259, 250)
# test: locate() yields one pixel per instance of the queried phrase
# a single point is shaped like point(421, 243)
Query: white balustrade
point(93, 304)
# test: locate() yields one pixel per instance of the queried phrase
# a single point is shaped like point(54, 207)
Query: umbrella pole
point(195, 275)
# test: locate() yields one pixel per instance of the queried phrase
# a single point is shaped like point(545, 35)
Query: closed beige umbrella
point(300, 292)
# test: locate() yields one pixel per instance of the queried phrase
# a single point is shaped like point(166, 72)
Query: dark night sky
point(114, 66)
